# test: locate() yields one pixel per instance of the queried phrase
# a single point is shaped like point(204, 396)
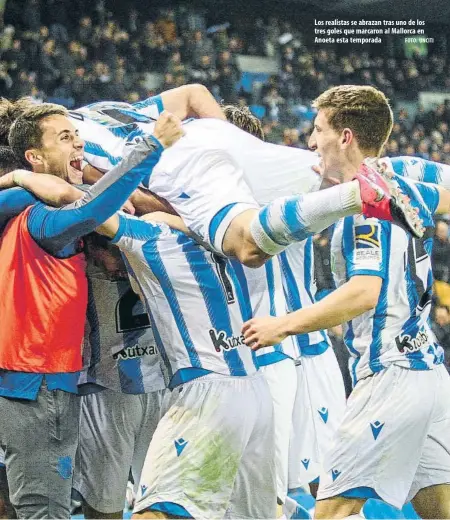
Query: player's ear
point(33, 157)
point(347, 137)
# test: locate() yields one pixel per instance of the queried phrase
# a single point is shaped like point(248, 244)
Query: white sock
point(294, 219)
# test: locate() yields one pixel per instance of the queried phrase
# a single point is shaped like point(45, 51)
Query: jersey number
point(126, 321)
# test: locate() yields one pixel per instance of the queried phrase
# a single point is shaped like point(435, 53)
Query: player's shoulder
point(358, 229)
point(360, 222)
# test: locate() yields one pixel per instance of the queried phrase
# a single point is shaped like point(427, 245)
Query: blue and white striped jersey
point(263, 288)
point(194, 298)
point(398, 330)
point(108, 127)
point(119, 350)
point(297, 264)
point(420, 170)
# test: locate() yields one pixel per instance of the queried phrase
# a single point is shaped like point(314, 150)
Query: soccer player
point(110, 381)
point(203, 179)
point(320, 394)
point(45, 303)
point(309, 397)
point(212, 452)
point(122, 385)
point(263, 287)
point(394, 440)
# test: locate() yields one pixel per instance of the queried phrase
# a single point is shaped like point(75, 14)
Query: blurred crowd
point(425, 135)
point(83, 52)
point(99, 58)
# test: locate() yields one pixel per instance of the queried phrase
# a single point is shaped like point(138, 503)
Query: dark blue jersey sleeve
point(58, 230)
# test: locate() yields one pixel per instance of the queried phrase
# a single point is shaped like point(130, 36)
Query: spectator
point(205, 73)
point(199, 47)
point(273, 102)
point(15, 58)
point(82, 88)
point(85, 31)
point(32, 15)
point(441, 252)
point(166, 26)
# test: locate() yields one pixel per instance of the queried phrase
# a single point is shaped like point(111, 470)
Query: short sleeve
point(150, 107)
point(365, 245)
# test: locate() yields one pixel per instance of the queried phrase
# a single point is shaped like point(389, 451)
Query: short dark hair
point(363, 109)
point(26, 131)
point(9, 112)
point(9, 161)
point(244, 119)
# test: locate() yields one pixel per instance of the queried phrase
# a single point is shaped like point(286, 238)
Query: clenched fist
point(168, 129)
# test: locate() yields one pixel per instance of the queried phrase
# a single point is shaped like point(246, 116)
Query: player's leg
point(254, 235)
point(327, 401)
point(282, 380)
point(40, 440)
point(195, 454)
point(433, 501)
point(303, 463)
point(255, 488)
point(90, 512)
point(377, 448)
point(6, 509)
point(152, 406)
point(431, 487)
point(338, 507)
point(108, 425)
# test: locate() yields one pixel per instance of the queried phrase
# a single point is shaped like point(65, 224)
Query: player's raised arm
point(192, 100)
point(142, 200)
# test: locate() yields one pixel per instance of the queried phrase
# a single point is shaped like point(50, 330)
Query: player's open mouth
point(76, 163)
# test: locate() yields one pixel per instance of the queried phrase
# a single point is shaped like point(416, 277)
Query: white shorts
point(115, 433)
point(394, 437)
point(212, 453)
point(282, 380)
point(319, 408)
point(2, 457)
